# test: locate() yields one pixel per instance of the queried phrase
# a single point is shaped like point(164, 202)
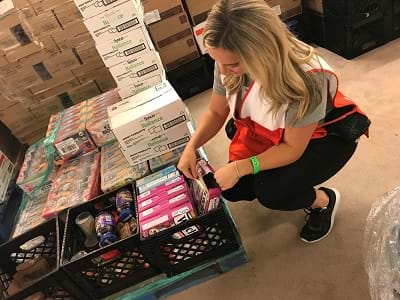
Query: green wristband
point(256, 164)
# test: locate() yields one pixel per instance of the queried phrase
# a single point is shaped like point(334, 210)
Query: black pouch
point(349, 128)
point(230, 129)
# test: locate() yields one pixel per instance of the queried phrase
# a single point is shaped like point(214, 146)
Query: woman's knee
point(270, 195)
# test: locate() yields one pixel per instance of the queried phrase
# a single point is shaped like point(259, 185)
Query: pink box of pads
point(160, 188)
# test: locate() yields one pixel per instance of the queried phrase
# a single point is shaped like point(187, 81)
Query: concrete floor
point(283, 267)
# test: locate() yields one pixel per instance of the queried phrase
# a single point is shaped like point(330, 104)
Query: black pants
point(292, 187)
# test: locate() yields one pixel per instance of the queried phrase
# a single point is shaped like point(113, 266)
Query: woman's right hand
point(187, 163)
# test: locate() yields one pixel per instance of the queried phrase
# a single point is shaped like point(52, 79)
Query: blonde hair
point(269, 53)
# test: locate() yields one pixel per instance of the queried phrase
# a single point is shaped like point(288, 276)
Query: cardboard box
point(316, 5)
point(198, 10)
point(67, 14)
point(46, 44)
point(90, 8)
point(141, 86)
point(158, 145)
point(10, 145)
point(286, 8)
point(47, 107)
point(84, 92)
point(129, 45)
point(42, 6)
point(21, 80)
point(13, 33)
point(105, 81)
point(55, 86)
point(155, 92)
point(87, 72)
point(6, 69)
point(66, 60)
point(25, 8)
point(43, 25)
point(156, 10)
point(179, 52)
point(114, 22)
point(16, 117)
point(198, 31)
point(162, 117)
point(137, 69)
point(169, 30)
point(87, 51)
point(72, 36)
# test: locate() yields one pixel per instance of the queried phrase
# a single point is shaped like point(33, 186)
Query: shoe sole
point(337, 203)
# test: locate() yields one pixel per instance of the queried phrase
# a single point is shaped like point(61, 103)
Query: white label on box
point(140, 86)
point(152, 17)
point(90, 8)
point(67, 147)
point(136, 69)
point(155, 222)
point(129, 45)
point(6, 172)
point(277, 10)
point(114, 22)
point(147, 212)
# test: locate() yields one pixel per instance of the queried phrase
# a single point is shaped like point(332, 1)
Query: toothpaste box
point(158, 91)
point(156, 182)
point(115, 21)
point(142, 85)
point(138, 68)
point(166, 114)
point(161, 188)
point(163, 206)
point(174, 216)
point(205, 190)
point(126, 46)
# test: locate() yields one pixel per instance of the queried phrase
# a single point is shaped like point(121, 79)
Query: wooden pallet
point(161, 287)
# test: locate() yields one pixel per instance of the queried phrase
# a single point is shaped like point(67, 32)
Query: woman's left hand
point(226, 176)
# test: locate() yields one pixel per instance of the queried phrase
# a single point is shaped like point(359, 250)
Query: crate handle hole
point(33, 243)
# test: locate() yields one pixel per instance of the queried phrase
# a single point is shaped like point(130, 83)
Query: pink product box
point(163, 206)
point(205, 190)
point(162, 196)
point(167, 220)
point(159, 189)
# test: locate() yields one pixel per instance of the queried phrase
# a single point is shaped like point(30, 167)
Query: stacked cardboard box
point(123, 43)
point(48, 62)
point(171, 31)
point(150, 124)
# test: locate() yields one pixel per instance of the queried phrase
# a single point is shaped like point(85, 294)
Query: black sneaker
point(320, 220)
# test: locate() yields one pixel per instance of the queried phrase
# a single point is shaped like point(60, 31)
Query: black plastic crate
point(101, 279)
point(56, 284)
point(216, 236)
point(347, 41)
point(355, 11)
point(193, 78)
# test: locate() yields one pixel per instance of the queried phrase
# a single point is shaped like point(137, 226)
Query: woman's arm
point(295, 142)
point(209, 125)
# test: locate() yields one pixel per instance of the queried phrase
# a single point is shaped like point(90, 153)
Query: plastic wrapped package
point(34, 168)
point(76, 181)
point(71, 137)
point(382, 247)
point(97, 121)
point(115, 170)
point(32, 207)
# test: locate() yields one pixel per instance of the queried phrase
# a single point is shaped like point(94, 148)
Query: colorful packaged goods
point(97, 122)
point(77, 181)
point(162, 161)
point(34, 168)
point(115, 170)
point(205, 190)
point(163, 202)
point(71, 136)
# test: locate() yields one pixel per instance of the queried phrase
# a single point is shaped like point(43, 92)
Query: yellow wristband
point(256, 165)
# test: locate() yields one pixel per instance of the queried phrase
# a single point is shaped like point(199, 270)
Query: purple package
point(161, 188)
point(205, 190)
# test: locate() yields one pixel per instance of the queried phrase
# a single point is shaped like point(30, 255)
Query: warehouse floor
point(283, 267)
